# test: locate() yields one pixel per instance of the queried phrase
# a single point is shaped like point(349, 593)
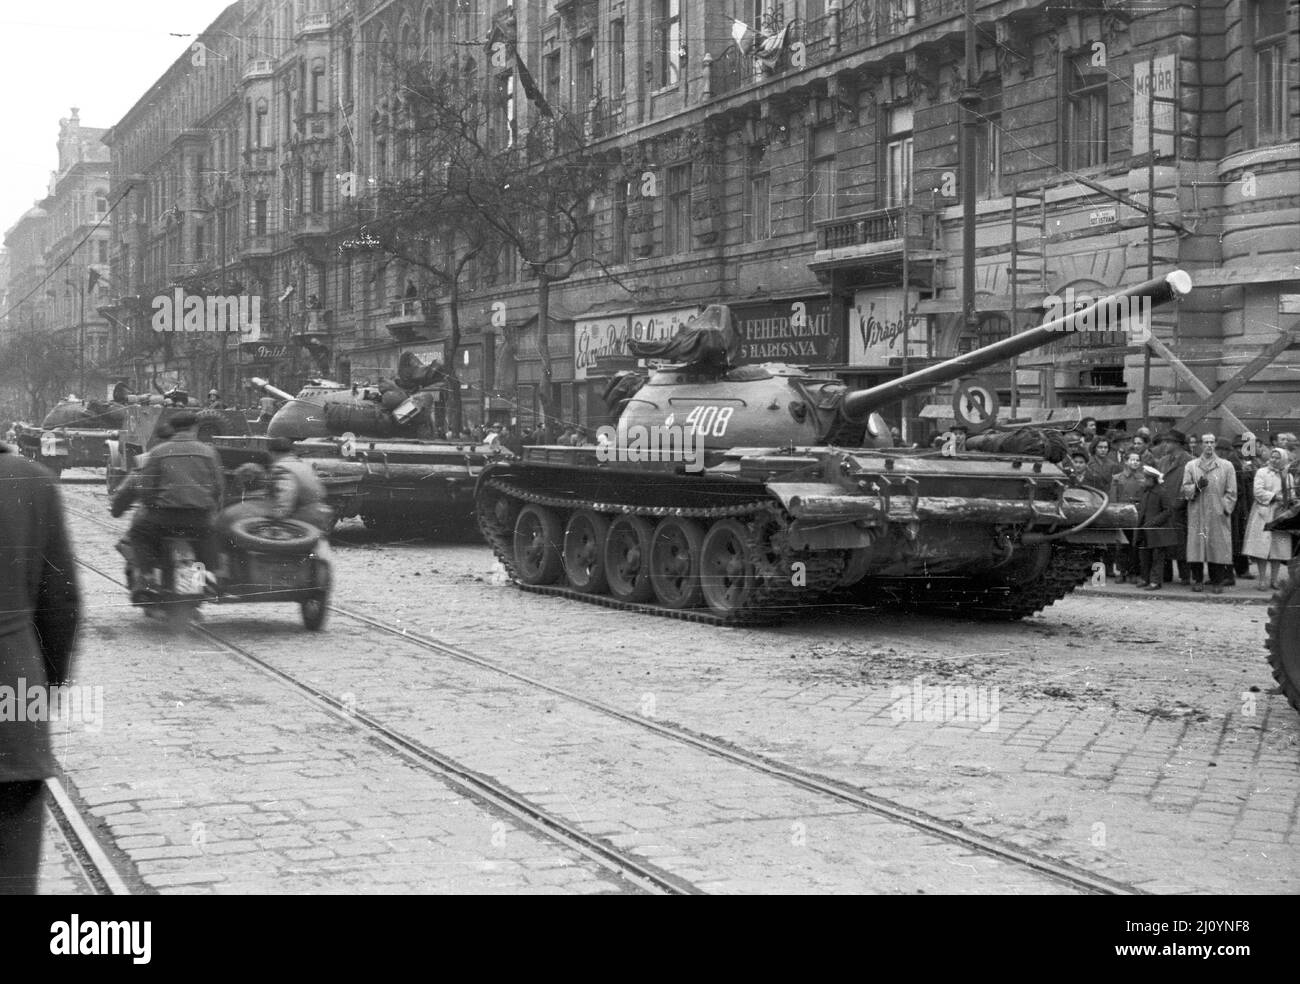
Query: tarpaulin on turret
point(708, 341)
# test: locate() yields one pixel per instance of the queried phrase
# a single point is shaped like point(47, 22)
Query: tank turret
point(756, 406)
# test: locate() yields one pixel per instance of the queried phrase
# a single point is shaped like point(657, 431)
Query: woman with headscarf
point(1262, 546)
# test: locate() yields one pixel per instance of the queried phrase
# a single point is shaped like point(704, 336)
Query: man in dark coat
point(1172, 460)
point(1156, 532)
point(39, 609)
point(1230, 451)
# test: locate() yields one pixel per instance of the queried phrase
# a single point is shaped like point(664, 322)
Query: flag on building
point(534, 94)
point(770, 49)
point(739, 32)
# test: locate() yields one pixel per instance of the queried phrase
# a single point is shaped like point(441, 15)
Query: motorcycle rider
point(179, 485)
point(296, 490)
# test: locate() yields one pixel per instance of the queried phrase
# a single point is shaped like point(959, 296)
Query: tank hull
point(772, 530)
point(395, 487)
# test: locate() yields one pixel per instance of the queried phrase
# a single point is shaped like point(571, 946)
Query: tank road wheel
point(584, 551)
point(627, 558)
point(1284, 637)
point(538, 536)
point(675, 563)
point(726, 567)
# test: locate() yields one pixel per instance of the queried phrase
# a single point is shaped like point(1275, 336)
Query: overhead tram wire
point(67, 259)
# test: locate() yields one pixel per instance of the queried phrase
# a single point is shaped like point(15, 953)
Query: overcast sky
point(97, 55)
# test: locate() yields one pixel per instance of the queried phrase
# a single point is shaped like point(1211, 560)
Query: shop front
point(886, 339)
point(600, 350)
point(806, 331)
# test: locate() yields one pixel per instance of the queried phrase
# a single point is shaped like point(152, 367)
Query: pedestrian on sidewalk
point(1156, 532)
point(39, 611)
point(1172, 460)
point(1263, 547)
point(1210, 488)
point(1126, 489)
point(1102, 466)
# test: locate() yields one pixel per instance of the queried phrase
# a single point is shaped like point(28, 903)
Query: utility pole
point(969, 100)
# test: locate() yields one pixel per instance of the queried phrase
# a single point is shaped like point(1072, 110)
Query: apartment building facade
point(798, 160)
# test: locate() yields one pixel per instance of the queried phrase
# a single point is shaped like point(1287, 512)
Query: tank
point(72, 435)
point(375, 450)
point(145, 424)
point(739, 494)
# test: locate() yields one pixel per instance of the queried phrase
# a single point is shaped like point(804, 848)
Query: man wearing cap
point(1156, 532)
point(1210, 488)
point(180, 487)
point(214, 400)
point(1172, 460)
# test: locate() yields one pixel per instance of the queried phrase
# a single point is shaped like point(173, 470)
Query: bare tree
point(476, 187)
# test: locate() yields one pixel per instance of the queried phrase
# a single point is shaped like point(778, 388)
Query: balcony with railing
point(314, 23)
point(408, 319)
point(605, 116)
point(314, 328)
point(259, 68)
point(881, 235)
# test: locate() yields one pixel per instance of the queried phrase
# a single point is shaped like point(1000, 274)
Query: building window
point(259, 125)
point(101, 251)
point(677, 214)
point(988, 148)
point(501, 114)
point(101, 203)
point(1268, 28)
point(620, 248)
point(551, 78)
point(259, 217)
point(898, 158)
point(345, 283)
point(668, 42)
point(585, 83)
point(758, 196)
point(617, 59)
point(318, 88)
point(318, 191)
point(347, 72)
point(200, 241)
point(820, 191)
point(381, 158)
point(1085, 117)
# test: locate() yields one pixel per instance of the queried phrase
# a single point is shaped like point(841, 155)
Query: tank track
point(1068, 568)
point(773, 597)
point(1284, 612)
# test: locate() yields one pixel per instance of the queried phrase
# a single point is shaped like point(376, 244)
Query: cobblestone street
point(1131, 739)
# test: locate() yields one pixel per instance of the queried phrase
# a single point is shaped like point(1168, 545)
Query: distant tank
point(145, 424)
point(72, 435)
point(375, 450)
point(784, 489)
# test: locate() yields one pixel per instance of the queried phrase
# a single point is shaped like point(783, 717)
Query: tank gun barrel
point(270, 390)
point(1107, 314)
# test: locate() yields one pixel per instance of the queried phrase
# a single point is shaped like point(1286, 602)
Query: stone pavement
point(211, 776)
point(1127, 736)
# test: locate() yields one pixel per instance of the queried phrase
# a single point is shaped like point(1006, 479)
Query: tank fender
point(797, 497)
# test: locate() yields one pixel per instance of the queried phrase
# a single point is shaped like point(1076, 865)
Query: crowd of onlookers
point(1202, 500)
point(514, 438)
